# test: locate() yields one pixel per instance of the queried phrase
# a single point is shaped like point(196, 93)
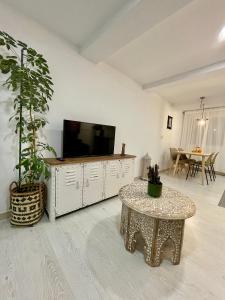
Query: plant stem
point(20, 120)
point(33, 144)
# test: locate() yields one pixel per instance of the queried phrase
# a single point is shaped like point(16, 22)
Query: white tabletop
point(172, 205)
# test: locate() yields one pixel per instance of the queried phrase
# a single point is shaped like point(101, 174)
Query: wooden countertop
point(78, 160)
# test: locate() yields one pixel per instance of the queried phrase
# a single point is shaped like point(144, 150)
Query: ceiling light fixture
point(221, 36)
point(203, 119)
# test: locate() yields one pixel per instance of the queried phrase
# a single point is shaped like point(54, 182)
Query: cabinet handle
point(77, 185)
point(87, 183)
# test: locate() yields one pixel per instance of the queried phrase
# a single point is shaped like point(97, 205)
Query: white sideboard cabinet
point(79, 182)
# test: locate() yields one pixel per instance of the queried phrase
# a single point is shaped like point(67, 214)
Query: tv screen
point(86, 139)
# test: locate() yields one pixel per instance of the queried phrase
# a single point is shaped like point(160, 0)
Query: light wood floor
point(82, 256)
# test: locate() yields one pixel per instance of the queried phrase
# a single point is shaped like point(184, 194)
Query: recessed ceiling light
point(221, 36)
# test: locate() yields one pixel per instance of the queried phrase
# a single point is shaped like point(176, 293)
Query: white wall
point(169, 138)
point(86, 92)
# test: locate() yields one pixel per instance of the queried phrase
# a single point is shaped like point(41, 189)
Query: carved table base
point(156, 233)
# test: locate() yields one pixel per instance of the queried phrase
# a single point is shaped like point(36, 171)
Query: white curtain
point(210, 137)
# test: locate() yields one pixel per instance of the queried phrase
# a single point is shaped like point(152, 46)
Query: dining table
point(189, 154)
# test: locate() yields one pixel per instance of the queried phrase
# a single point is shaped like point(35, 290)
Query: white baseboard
point(4, 215)
point(160, 171)
point(220, 173)
point(164, 170)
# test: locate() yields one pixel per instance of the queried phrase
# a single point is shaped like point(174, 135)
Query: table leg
point(128, 228)
point(178, 243)
point(130, 242)
point(168, 231)
point(203, 170)
point(176, 164)
point(123, 222)
point(156, 233)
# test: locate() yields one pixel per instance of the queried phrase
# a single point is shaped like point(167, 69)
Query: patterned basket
point(27, 206)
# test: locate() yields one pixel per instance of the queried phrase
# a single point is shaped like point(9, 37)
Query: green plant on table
point(153, 175)
point(29, 79)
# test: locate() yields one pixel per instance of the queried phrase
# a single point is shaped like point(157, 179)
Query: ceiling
point(189, 91)
point(182, 42)
point(75, 20)
point(171, 46)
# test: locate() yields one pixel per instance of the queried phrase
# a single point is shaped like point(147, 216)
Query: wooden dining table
point(189, 154)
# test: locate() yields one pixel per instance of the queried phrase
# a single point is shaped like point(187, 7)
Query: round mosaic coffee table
point(160, 221)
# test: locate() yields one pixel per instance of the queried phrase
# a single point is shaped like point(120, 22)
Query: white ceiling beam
point(186, 75)
point(90, 49)
point(135, 18)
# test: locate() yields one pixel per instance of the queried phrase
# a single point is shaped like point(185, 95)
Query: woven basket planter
point(27, 206)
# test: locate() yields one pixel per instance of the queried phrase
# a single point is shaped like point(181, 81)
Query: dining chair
point(191, 169)
point(184, 157)
point(194, 168)
point(213, 164)
point(183, 161)
point(173, 157)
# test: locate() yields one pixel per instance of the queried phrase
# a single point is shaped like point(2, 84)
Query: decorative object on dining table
point(146, 165)
point(169, 122)
point(123, 149)
point(197, 150)
point(154, 183)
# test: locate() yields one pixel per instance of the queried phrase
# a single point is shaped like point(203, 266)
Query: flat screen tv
point(87, 139)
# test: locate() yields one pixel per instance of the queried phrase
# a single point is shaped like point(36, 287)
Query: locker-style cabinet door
point(93, 183)
point(69, 180)
point(127, 171)
point(112, 178)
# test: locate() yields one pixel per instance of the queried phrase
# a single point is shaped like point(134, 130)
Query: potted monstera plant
point(26, 75)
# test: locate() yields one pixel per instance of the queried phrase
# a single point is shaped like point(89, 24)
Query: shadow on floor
point(125, 275)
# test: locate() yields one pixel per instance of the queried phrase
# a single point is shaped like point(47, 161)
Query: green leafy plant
point(29, 80)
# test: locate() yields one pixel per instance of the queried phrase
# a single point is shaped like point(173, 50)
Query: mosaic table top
point(172, 205)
